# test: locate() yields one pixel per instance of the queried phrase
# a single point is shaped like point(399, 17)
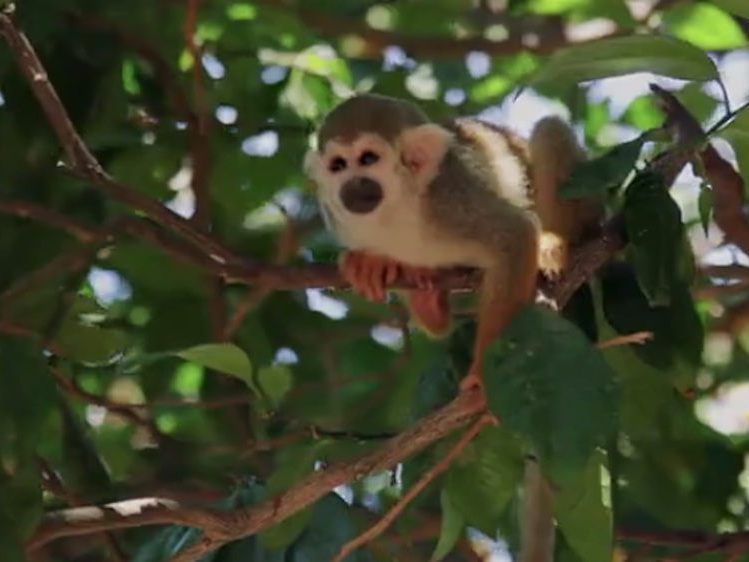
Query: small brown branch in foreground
point(127, 411)
point(223, 527)
point(733, 271)
point(49, 217)
point(728, 198)
point(122, 515)
point(694, 543)
point(637, 338)
point(381, 526)
point(53, 483)
point(83, 163)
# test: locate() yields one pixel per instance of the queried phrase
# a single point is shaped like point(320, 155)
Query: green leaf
point(656, 236)
point(27, 397)
point(697, 101)
point(274, 382)
point(453, 524)
point(90, 344)
point(625, 55)
point(738, 7)
point(705, 26)
point(597, 176)
point(223, 357)
point(293, 464)
point(21, 505)
point(737, 133)
point(554, 6)
point(676, 348)
point(490, 467)
point(643, 113)
point(331, 526)
point(284, 533)
point(165, 544)
point(547, 382)
point(583, 511)
point(705, 206)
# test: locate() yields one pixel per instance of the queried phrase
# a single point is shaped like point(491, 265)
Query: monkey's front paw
point(421, 277)
point(368, 274)
point(473, 383)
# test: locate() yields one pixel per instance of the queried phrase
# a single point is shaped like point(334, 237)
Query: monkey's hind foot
point(473, 384)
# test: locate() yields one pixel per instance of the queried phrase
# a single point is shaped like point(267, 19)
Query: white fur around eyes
point(397, 227)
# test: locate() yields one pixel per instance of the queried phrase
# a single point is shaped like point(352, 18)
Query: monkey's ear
point(422, 150)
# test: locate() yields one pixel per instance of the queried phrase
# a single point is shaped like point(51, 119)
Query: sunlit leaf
point(625, 55)
point(583, 511)
point(547, 382)
point(223, 357)
point(274, 382)
point(453, 524)
point(737, 133)
point(597, 176)
point(705, 207)
point(705, 26)
point(738, 7)
point(491, 466)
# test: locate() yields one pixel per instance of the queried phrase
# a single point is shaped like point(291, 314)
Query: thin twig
point(82, 162)
point(381, 526)
point(52, 481)
point(637, 338)
point(233, 525)
point(50, 217)
point(71, 386)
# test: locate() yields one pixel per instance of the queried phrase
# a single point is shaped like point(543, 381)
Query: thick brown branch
point(49, 217)
point(232, 525)
point(123, 515)
point(83, 163)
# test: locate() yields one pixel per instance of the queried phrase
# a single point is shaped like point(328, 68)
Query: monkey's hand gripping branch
point(370, 275)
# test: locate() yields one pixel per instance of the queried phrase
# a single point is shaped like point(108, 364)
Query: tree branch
point(528, 36)
point(82, 162)
point(50, 217)
point(223, 527)
point(124, 515)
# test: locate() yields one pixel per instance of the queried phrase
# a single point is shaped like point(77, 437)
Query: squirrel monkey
point(406, 195)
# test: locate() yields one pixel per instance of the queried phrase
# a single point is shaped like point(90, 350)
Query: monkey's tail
point(537, 517)
point(554, 153)
point(554, 150)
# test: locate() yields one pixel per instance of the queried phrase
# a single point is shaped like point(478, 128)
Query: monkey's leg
point(506, 289)
point(430, 308)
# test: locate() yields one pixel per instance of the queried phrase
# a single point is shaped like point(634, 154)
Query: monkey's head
point(374, 154)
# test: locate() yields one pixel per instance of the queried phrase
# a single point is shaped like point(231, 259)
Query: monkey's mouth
point(361, 195)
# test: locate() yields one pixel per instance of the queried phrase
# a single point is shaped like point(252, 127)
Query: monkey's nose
point(361, 195)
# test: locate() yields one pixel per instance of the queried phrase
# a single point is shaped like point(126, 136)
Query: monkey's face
point(370, 182)
point(354, 178)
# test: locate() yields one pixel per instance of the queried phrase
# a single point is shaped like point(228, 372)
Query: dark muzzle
point(361, 195)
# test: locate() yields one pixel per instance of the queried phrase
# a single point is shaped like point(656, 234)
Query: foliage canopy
point(129, 368)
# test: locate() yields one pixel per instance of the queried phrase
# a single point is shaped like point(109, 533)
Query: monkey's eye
point(337, 164)
point(368, 157)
